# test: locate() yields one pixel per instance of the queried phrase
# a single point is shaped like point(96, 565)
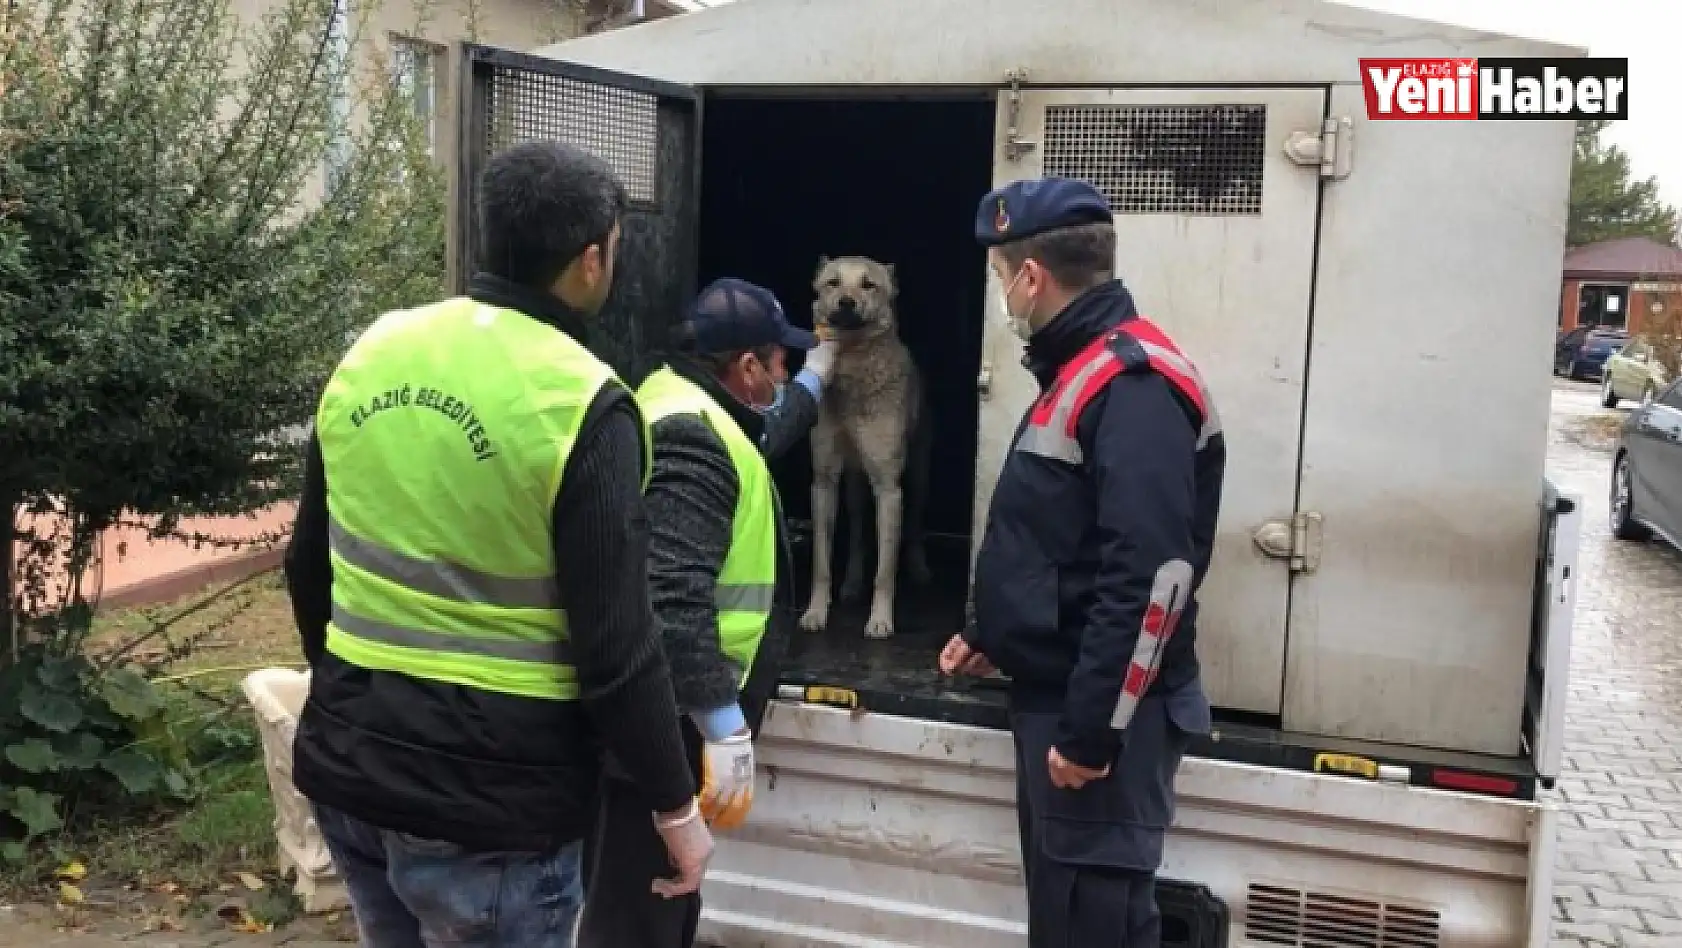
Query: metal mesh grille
point(1162, 159)
point(619, 125)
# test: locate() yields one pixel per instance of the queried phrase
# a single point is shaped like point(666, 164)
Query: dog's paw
point(815, 618)
point(879, 627)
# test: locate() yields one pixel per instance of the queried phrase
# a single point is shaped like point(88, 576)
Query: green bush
point(72, 734)
point(174, 284)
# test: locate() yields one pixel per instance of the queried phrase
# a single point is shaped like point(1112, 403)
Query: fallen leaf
point(70, 895)
point(224, 887)
point(251, 882)
point(168, 888)
point(72, 872)
point(240, 920)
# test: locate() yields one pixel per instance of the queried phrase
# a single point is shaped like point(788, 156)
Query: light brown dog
point(872, 422)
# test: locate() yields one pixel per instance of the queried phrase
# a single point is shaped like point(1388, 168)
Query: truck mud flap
point(1192, 917)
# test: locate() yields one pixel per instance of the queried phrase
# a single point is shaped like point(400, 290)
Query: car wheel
point(1624, 524)
point(1608, 397)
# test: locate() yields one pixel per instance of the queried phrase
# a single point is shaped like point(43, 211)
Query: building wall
point(1642, 295)
point(1642, 298)
point(381, 27)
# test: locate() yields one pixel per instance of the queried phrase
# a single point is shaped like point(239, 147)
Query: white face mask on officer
point(1022, 325)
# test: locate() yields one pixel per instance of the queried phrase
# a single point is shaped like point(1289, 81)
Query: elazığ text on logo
point(1486, 88)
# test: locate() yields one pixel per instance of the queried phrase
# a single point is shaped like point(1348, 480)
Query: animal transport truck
point(1385, 627)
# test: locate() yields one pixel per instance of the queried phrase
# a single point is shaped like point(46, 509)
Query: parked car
point(1580, 352)
point(1647, 470)
point(1633, 374)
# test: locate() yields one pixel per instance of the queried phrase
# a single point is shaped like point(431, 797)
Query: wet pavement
point(1619, 874)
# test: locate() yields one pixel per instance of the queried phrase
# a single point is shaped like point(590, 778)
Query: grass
point(220, 635)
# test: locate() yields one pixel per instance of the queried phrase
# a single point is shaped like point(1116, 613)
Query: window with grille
point(621, 126)
point(1162, 159)
point(414, 65)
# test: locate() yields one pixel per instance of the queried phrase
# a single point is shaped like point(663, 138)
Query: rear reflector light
point(1474, 783)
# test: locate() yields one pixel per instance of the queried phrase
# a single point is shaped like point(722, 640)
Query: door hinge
point(1332, 148)
point(984, 380)
point(1016, 147)
point(1295, 538)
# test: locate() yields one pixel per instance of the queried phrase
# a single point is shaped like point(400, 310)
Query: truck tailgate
point(883, 831)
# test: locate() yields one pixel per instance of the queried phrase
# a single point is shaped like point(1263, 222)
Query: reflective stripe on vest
point(747, 581)
point(445, 433)
point(1051, 427)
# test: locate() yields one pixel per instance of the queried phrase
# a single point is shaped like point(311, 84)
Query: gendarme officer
point(1098, 536)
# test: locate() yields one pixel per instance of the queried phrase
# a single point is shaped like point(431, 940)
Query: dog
point(872, 429)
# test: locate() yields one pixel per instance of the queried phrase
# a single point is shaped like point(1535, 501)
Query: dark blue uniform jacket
point(1085, 581)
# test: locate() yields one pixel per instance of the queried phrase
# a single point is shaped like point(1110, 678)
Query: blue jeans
point(409, 892)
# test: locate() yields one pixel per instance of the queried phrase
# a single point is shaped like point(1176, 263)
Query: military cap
point(1024, 208)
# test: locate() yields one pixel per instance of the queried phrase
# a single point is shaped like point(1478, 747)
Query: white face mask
point(1020, 325)
point(776, 401)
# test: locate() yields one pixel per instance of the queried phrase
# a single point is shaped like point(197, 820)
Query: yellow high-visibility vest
point(445, 432)
point(747, 582)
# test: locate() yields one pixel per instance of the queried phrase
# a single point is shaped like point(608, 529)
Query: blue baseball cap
point(731, 315)
point(1022, 209)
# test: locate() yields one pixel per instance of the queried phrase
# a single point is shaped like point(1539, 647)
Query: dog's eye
point(833, 281)
point(867, 284)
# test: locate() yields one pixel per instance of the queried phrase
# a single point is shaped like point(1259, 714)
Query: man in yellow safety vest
point(716, 410)
point(468, 574)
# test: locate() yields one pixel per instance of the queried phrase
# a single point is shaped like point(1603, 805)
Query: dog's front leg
point(889, 500)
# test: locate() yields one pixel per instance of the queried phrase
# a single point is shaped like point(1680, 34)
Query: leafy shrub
point(71, 735)
point(176, 280)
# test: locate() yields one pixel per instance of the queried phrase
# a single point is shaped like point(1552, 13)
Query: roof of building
point(1627, 256)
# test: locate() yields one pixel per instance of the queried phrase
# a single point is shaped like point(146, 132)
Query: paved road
point(1619, 879)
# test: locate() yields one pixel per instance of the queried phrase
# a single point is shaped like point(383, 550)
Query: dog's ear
point(823, 263)
point(893, 280)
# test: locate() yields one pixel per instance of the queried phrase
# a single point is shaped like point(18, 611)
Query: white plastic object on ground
point(277, 696)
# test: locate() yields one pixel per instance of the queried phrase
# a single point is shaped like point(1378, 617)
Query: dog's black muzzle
point(846, 315)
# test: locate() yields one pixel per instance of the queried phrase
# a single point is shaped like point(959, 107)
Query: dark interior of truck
point(786, 181)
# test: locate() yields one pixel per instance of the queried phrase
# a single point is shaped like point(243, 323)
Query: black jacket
point(1076, 548)
point(491, 771)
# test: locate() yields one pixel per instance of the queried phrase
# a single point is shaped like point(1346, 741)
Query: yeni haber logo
point(1533, 88)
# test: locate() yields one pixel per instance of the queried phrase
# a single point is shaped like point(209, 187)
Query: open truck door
point(1216, 231)
point(647, 130)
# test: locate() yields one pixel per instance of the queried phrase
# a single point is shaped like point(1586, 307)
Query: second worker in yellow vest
point(716, 411)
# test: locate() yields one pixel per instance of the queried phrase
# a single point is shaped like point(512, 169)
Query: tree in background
point(1605, 203)
point(174, 288)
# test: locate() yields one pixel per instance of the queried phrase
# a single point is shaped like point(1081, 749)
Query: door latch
point(1015, 145)
point(1296, 538)
point(1332, 147)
